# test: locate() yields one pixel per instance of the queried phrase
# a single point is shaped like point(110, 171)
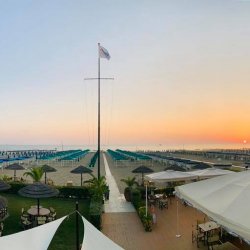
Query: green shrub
point(147, 220)
point(140, 207)
point(135, 196)
point(15, 187)
point(65, 192)
point(74, 192)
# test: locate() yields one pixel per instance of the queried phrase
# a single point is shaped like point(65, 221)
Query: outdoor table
point(42, 211)
point(158, 196)
point(208, 227)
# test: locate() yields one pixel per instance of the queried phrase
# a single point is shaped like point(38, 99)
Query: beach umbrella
point(81, 170)
point(15, 167)
point(143, 170)
point(4, 186)
point(38, 190)
point(46, 169)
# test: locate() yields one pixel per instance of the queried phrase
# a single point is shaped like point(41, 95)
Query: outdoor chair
point(52, 210)
point(197, 236)
point(25, 223)
point(53, 215)
point(41, 220)
point(212, 241)
point(163, 203)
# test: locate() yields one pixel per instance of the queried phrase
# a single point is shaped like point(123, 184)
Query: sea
point(134, 147)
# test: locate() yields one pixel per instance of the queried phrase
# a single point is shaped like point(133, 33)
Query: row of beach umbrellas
point(79, 170)
point(46, 168)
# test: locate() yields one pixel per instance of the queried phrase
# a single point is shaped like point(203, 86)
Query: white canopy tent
point(94, 239)
point(210, 172)
point(225, 199)
point(169, 176)
point(37, 238)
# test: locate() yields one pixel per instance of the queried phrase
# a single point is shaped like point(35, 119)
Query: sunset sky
point(181, 69)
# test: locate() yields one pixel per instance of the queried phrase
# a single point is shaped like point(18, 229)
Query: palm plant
point(35, 174)
point(98, 187)
point(130, 182)
point(4, 177)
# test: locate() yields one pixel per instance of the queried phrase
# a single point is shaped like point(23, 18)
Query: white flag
point(103, 53)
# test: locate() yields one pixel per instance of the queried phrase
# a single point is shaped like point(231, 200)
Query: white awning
point(226, 199)
point(94, 239)
point(37, 238)
point(210, 172)
point(169, 176)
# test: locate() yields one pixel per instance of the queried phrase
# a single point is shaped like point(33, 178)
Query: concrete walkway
point(116, 202)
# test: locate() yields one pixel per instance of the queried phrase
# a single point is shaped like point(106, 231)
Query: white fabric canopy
point(94, 239)
point(226, 199)
point(170, 175)
point(210, 172)
point(37, 238)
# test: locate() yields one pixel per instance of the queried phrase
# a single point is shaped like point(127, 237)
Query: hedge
point(139, 204)
point(65, 192)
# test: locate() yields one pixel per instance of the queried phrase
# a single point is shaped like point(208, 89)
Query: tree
point(130, 182)
point(36, 174)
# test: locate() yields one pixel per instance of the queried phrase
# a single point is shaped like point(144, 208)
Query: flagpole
point(99, 106)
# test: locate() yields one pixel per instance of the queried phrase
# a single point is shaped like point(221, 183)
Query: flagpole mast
point(99, 107)
point(107, 56)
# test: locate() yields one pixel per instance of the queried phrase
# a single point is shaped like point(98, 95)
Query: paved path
point(116, 202)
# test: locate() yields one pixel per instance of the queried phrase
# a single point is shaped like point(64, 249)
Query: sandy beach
point(62, 175)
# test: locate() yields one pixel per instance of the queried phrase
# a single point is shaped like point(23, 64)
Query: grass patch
point(65, 235)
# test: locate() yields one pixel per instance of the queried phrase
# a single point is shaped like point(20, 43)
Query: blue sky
point(180, 67)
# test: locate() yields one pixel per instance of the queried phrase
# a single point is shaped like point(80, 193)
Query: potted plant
point(130, 182)
point(98, 187)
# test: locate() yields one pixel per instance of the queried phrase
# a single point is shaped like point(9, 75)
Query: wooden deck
point(126, 229)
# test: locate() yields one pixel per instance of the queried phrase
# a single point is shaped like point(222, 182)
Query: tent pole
point(177, 219)
point(77, 227)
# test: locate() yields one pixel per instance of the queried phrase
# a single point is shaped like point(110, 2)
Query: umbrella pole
point(77, 228)
point(81, 179)
point(45, 177)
